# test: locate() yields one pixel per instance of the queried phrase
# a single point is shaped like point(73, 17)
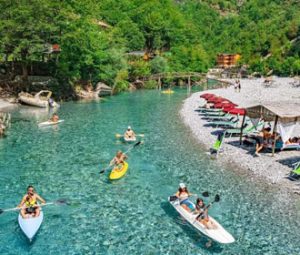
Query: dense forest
point(88, 40)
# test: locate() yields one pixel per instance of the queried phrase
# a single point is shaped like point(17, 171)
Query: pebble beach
point(271, 170)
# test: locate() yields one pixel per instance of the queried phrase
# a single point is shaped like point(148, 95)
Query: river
point(132, 215)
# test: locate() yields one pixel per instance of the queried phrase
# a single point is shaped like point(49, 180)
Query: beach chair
point(229, 124)
point(226, 117)
point(208, 110)
point(295, 173)
point(214, 114)
point(217, 146)
point(248, 128)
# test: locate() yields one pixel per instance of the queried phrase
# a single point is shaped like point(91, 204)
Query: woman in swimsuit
point(183, 194)
point(29, 204)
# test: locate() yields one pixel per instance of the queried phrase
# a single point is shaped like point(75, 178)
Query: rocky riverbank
point(272, 170)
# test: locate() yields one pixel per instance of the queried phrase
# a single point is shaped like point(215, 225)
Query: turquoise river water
point(132, 215)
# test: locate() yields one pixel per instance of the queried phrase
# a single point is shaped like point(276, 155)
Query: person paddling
point(118, 160)
point(203, 218)
point(29, 204)
point(129, 134)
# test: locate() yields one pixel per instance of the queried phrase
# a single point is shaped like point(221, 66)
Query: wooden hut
point(227, 60)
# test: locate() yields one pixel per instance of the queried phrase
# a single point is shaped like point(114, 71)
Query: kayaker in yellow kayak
point(118, 160)
point(29, 203)
point(183, 194)
point(129, 134)
point(203, 214)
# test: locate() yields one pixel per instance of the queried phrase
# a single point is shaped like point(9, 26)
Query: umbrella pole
point(242, 127)
point(274, 131)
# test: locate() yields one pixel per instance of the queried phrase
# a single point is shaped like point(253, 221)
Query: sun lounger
point(226, 117)
point(280, 146)
point(208, 110)
point(213, 114)
point(230, 124)
point(249, 128)
point(295, 173)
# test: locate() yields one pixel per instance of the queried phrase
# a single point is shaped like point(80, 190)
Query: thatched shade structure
point(286, 112)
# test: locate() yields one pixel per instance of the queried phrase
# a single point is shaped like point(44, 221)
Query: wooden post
point(159, 83)
point(189, 84)
point(242, 127)
point(274, 131)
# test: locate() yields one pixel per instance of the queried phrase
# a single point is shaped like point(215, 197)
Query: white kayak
point(218, 233)
point(50, 123)
point(31, 225)
point(130, 139)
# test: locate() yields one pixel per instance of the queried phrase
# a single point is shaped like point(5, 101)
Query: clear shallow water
point(131, 216)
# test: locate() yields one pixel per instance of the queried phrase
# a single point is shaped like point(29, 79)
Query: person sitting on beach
point(263, 135)
point(54, 118)
point(118, 160)
point(29, 206)
point(203, 214)
point(183, 195)
point(294, 140)
point(129, 134)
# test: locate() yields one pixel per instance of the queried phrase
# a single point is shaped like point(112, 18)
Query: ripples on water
point(131, 216)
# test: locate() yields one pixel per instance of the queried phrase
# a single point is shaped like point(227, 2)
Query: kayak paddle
point(57, 202)
point(136, 144)
point(119, 135)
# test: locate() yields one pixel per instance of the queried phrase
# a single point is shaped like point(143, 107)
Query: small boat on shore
point(42, 99)
point(50, 123)
point(31, 225)
point(218, 233)
point(117, 173)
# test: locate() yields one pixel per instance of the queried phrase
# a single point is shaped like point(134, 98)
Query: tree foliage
point(186, 35)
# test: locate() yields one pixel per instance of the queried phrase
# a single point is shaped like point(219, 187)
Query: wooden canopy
point(273, 111)
point(285, 111)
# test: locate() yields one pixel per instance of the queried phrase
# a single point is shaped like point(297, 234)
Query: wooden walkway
point(173, 75)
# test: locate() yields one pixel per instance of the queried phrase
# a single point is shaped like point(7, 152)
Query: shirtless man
point(129, 134)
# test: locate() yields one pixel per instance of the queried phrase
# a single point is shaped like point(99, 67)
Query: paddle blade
point(205, 194)
point(137, 144)
point(1, 211)
point(173, 198)
point(61, 202)
point(141, 135)
point(118, 135)
point(217, 198)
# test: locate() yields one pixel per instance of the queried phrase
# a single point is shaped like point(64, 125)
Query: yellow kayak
point(167, 92)
point(117, 173)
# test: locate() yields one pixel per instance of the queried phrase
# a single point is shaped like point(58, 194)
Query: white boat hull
point(130, 139)
point(31, 225)
point(218, 234)
point(49, 123)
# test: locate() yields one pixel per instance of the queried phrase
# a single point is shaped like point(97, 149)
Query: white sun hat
point(182, 185)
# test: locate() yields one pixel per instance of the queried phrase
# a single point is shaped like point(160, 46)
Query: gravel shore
point(5, 105)
point(272, 170)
